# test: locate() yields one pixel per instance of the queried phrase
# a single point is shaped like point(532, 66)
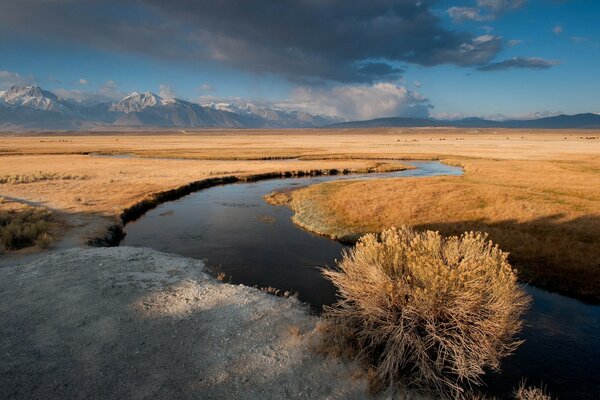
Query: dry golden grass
point(38, 176)
point(533, 186)
point(425, 310)
point(545, 213)
point(531, 393)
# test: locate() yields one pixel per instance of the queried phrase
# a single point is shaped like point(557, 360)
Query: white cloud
point(514, 42)
point(107, 92)
point(83, 81)
point(500, 6)
point(579, 39)
point(205, 87)
point(358, 102)
point(418, 84)
point(557, 29)
point(9, 78)
point(462, 14)
point(110, 89)
point(166, 92)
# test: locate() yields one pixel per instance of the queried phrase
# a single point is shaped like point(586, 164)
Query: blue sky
point(379, 58)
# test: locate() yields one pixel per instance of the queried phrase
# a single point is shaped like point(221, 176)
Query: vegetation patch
point(544, 213)
point(531, 393)
point(39, 177)
point(25, 227)
point(424, 310)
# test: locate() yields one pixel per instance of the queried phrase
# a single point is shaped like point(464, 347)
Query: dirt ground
point(135, 323)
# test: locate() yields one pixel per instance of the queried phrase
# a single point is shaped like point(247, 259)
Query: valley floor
point(135, 321)
point(536, 192)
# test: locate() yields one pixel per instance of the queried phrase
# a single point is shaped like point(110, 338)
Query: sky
point(352, 59)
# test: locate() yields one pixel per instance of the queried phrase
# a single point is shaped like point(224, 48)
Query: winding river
point(253, 243)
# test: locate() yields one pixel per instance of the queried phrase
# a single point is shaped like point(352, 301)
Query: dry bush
point(531, 393)
point(24, 228)
point(424, 310)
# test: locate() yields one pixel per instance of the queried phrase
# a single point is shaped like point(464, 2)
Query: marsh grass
point(524, 392)
point(544, 213)
point(424, 310)
point(38, 176)
point(24, 228)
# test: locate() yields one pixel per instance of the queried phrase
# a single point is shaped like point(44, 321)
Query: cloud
point(83, 81)
point(557, 29)
point(9, 78)
point(358, 102)
point(514, 42)
point(166, 92)
point(519, 62)
point(207, 88)
point(305, 41)
point(580, 39)
point(109, 91)
point(494, 8)
point(500, 6)
point(418, 84)
point(462, 14)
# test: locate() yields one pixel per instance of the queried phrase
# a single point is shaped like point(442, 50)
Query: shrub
point(19, 229)
point(424, 310)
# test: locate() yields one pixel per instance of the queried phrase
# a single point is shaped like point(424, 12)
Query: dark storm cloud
point(519, 62)
point(302, 39)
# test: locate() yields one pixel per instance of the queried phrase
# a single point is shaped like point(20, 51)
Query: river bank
point(135, 323)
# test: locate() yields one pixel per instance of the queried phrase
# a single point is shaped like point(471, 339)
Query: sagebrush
point(24, 228)
point(425, 310)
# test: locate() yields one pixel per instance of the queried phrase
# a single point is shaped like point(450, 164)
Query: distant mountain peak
point(31, 96)
point(136, 102)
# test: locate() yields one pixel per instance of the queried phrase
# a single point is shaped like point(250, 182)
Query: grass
point(38, 176)
point(524, 392)
point(116, 184)
point(26, 227)
point(545, 213)
point(424, 310)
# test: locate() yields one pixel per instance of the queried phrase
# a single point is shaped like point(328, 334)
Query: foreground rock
point(135, 323)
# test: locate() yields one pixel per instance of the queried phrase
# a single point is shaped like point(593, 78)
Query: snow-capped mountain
point(149, 109)
point(136, 102)
point(275, 117)
point(33, 108)
point(32, 97)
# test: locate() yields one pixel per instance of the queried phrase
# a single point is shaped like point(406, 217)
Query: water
point(236, 232)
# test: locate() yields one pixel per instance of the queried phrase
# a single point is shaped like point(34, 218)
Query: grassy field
point(535, 192)
point(545, 213)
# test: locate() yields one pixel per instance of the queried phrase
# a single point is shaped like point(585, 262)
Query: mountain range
point(577, 121)
point(31, 108)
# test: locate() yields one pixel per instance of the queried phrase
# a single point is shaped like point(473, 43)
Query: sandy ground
point(135, 323)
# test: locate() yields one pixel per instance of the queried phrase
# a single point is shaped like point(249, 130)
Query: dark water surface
point(235, 231)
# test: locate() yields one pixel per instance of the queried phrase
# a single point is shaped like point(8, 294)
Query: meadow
point(536, 193)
